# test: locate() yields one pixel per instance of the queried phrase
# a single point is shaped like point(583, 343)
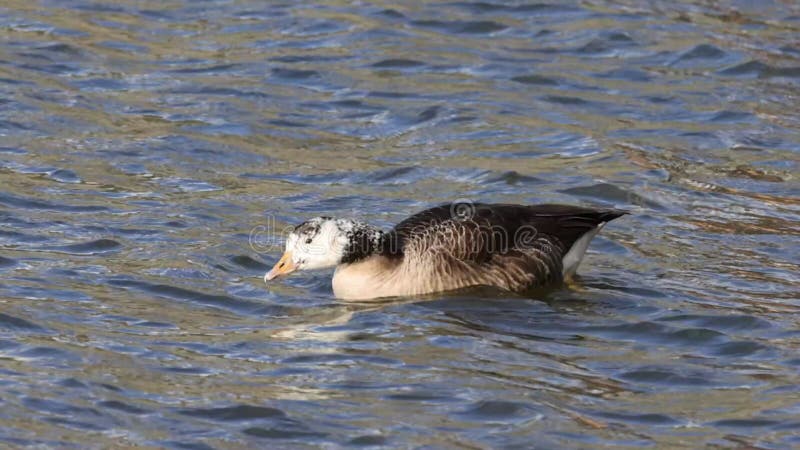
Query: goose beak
point(284, 266)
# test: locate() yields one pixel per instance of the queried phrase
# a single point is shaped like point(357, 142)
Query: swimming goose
point(452, 246)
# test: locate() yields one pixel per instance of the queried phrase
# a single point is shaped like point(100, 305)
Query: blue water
point(152, 155)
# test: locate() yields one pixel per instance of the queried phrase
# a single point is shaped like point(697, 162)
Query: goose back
point(513, 247)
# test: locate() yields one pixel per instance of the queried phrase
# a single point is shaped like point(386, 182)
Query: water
point(143, 142)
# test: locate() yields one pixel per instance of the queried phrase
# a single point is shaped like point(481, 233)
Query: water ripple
point(143, 143)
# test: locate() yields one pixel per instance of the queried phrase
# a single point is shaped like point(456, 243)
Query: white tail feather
point(574, 256)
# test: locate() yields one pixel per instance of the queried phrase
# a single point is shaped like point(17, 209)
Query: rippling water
point(142, 142)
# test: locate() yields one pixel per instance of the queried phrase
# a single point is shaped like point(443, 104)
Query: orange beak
point(284, 266)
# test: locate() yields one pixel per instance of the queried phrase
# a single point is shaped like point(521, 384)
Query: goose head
point(324, 242)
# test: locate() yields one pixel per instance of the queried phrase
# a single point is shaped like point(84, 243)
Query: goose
point(448, 247)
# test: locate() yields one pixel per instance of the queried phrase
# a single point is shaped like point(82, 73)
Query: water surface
point(142, 142)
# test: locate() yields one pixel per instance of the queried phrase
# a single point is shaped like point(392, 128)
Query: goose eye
point(308, 241)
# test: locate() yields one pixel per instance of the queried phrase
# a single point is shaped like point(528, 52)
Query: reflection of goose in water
point(513, 247)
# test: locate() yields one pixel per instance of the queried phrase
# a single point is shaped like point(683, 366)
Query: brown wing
point(510, 246)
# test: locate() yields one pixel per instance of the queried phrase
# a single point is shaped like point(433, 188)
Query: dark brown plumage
point(514, 247)
point(452, 246)
point(563, 222)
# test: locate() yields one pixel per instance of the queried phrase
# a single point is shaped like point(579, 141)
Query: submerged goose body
point(453, 246)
